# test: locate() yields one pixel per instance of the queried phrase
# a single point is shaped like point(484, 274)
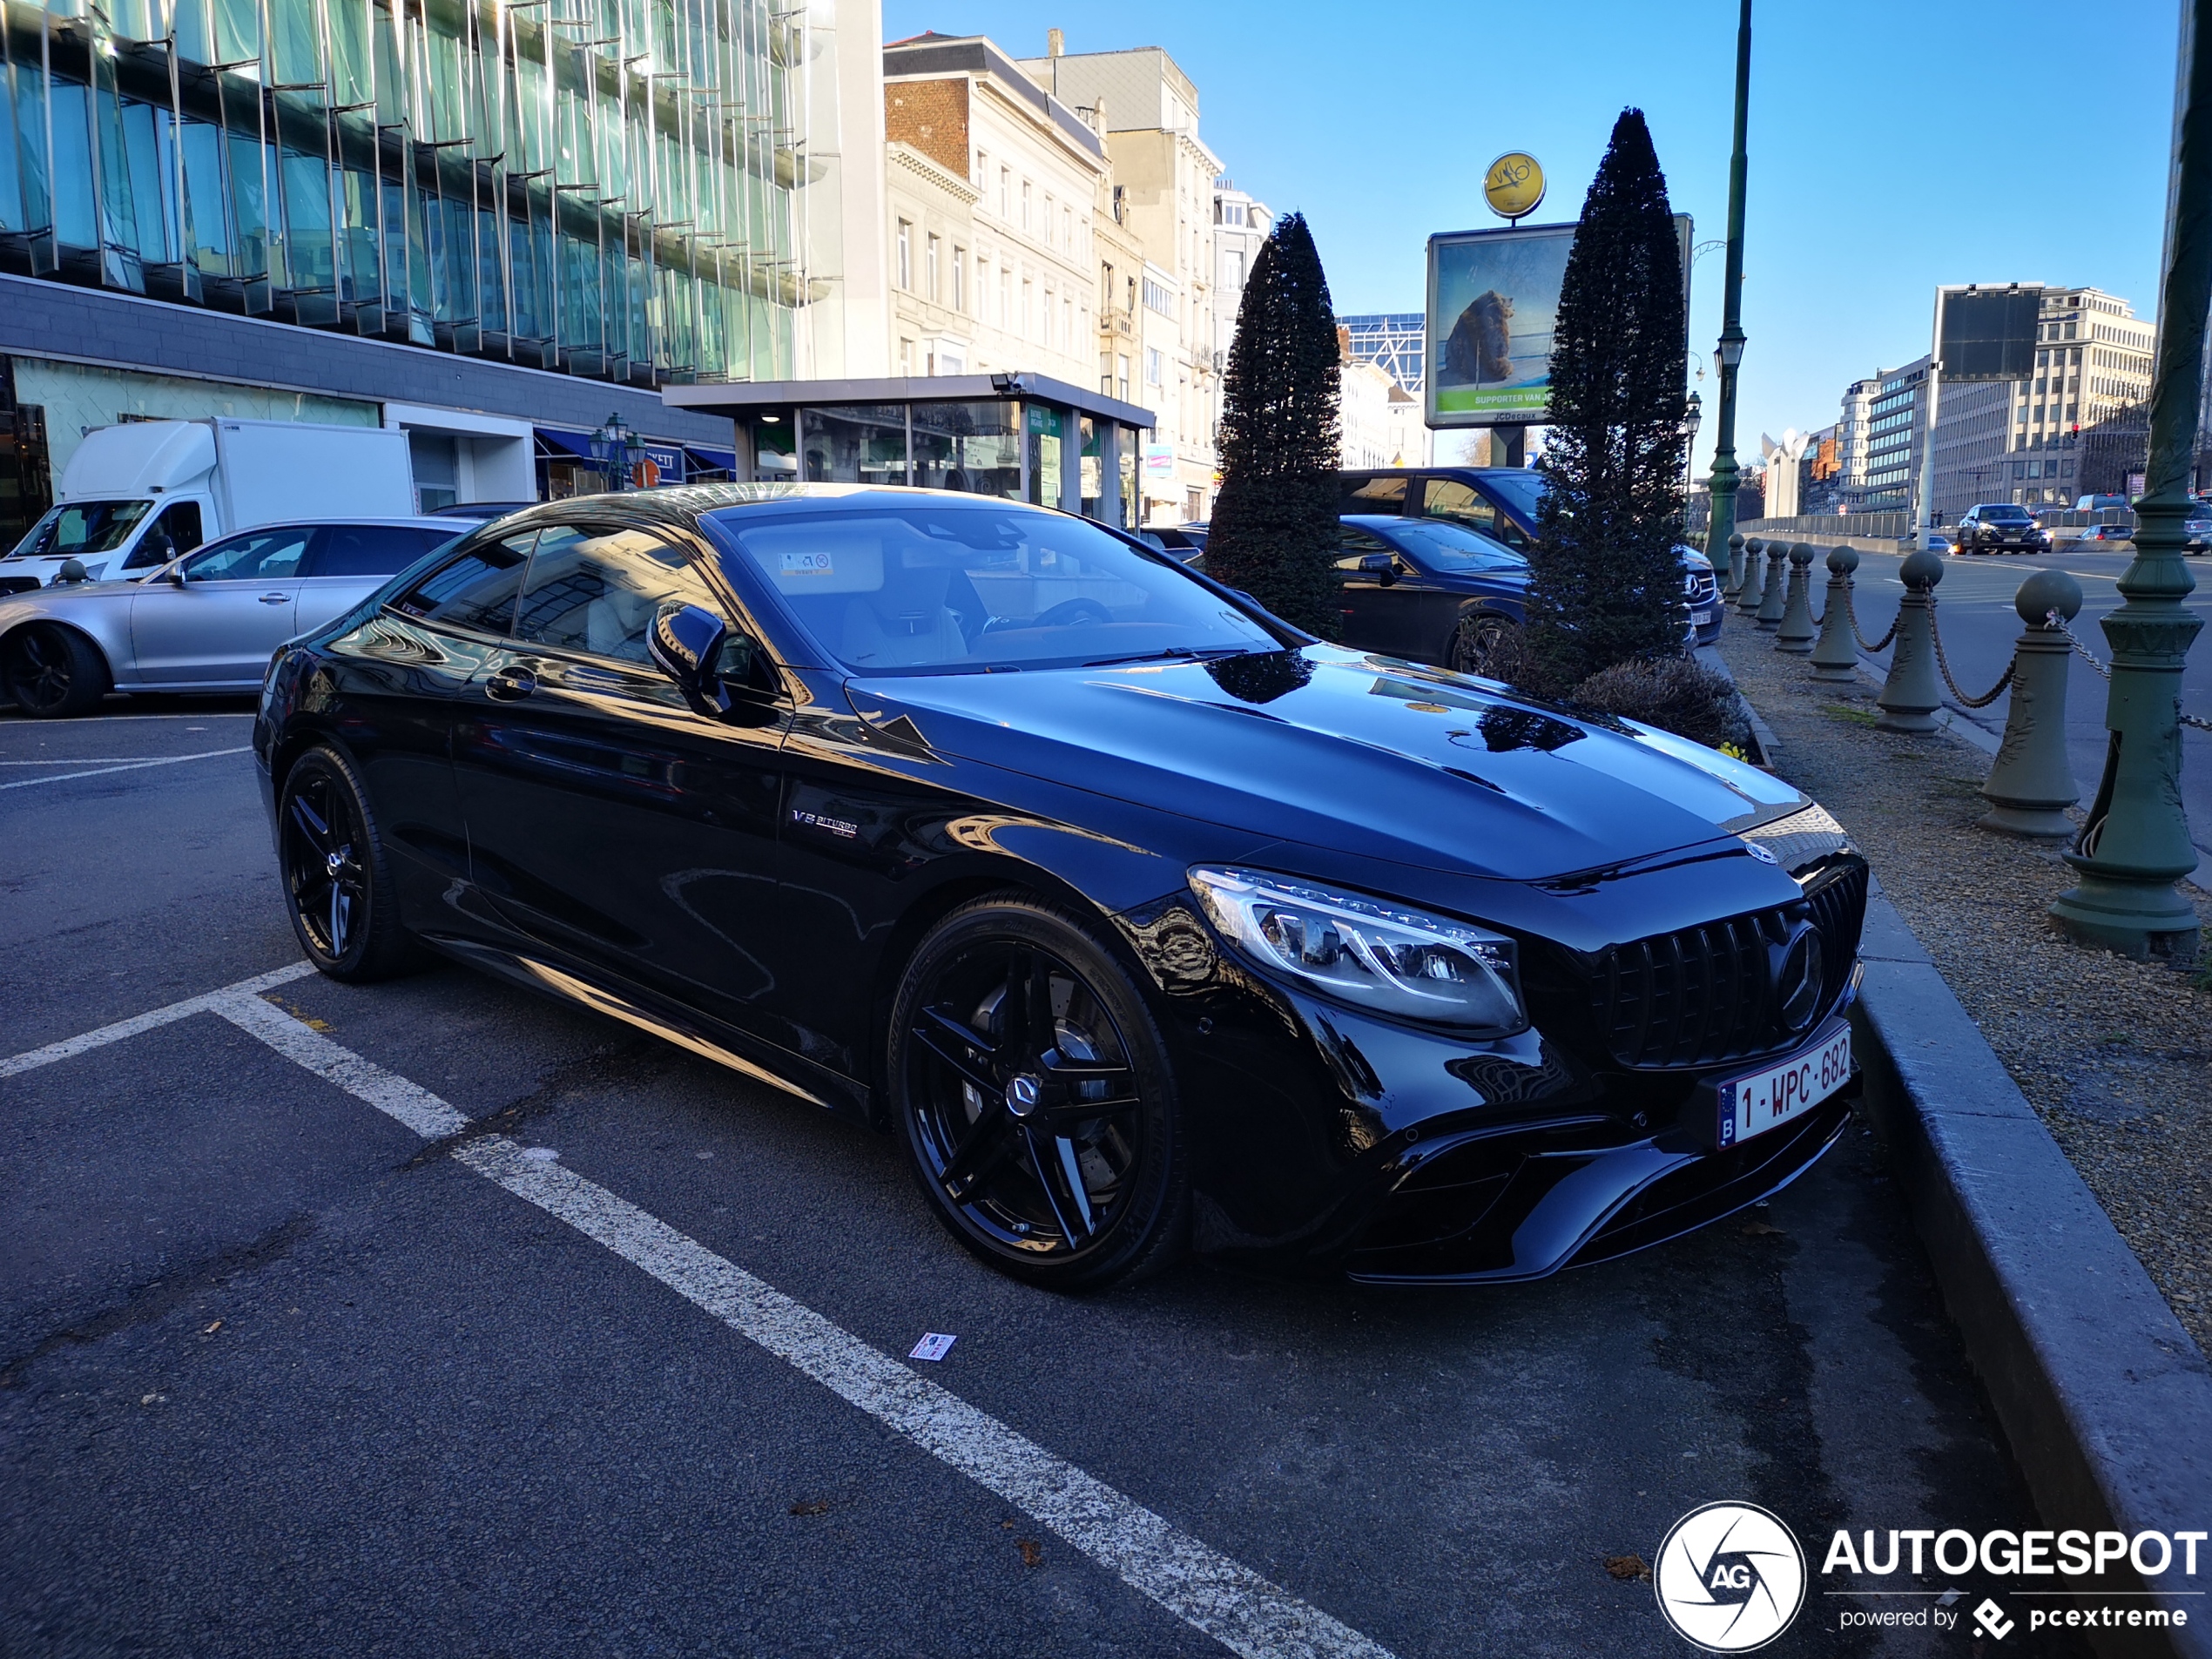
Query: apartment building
point(1164, 174)
point(991, 192)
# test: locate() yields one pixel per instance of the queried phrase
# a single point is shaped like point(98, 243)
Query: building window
point(1158, 298)
point(1026, 286)
point(930, 273)
point(1120, 376)
point(906, 255)
point(1006, 287)
point(1068, 229)
point(1106, 288)
point(1068, 323)
point(1025, 204)
point(1152, 365)
point(1045, 321)
point(906, 357)
point(1047, 228)
point(959, 278)
point(1006, 176)
point(1106, 373)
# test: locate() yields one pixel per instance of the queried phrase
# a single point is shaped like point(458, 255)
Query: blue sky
point(1894, 143)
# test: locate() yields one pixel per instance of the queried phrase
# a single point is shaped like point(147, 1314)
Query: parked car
point(1938, 542)
point(2100, 504)
point(133, 496)
point(2108, 533)
point(2001, 527)
point(1428, 590)
point(205, 622)
point(1144, 918)
point(1501, 503)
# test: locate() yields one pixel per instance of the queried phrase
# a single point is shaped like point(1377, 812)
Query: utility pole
point(1731, 350)
point(2137, 844)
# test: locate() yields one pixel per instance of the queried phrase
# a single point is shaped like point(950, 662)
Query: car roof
point(416, 521)
point(682, 505)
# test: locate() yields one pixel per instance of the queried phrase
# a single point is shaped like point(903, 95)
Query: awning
point(706, 460)
point(553, 443)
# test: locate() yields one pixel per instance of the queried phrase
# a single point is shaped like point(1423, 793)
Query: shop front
point(1021, 437)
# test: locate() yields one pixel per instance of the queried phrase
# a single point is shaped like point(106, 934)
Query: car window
point(257, 556)
point(1373, 495)
point(1441, 544)
point(598, 589)
point(1448, 498)
point(928, 589)
point(375, 549)
point(1357, 544)
point(475, 590)
point(176, 531)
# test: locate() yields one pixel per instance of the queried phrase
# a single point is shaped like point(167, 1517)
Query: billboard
point(1493, 299)
point(1492, 302)
point(1989, 335)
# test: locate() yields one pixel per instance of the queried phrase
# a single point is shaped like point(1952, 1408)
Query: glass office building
point(603, 187)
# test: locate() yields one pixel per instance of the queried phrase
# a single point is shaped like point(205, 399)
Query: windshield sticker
point(808, 565)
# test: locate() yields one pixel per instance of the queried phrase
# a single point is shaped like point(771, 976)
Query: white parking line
point(133, 1027)
point(133, 765)
point(1227, 1601)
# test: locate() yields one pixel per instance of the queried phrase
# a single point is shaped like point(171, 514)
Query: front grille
point(1703, 995)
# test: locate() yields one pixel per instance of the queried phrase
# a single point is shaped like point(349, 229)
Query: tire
point(53, 672)
point(338, 886)
point(980, 1080)
point(1472, 642)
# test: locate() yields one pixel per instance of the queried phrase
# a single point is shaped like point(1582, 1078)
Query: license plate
point(1756, 1102)
point(1701, 617)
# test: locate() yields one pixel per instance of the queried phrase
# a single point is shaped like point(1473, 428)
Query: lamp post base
point(2034, 824)
point(2145, 920)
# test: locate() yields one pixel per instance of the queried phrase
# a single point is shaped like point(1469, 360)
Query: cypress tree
point(1605, 585)
point(1274, 531)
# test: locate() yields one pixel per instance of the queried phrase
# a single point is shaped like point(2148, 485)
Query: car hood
point(1362, 755)
point(61, 600)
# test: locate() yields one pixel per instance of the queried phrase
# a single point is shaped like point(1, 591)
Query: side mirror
point(686, 643)
point(1379, 565)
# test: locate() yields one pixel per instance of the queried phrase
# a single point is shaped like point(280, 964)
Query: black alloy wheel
point(52, 671)
point(1475, 642)
point(337, 881)
point(1037, 1100)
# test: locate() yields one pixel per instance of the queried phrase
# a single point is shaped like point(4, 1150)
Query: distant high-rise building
point(1393, 341)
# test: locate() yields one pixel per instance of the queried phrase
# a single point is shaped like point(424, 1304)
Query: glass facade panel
point(606, 186)
point(971, 446)
point(855, 443)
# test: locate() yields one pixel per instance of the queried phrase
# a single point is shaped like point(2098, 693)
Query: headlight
point(1401, 962)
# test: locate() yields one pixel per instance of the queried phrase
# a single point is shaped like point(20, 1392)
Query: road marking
point(1244, 1611)
point(101, 771)
point(202, 1004)
point(74, 761)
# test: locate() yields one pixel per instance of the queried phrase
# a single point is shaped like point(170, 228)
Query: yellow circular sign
point(1514, 185)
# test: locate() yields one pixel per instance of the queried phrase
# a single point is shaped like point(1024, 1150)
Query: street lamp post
point(2137, 844)
point(1730, 352)
point(1692, 416)
point(610, 450)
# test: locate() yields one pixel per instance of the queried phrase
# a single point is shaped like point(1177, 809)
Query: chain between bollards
point(1860, 634)
point(1935, 628)
point(2089, 656)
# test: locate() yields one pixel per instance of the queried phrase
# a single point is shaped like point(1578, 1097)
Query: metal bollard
point(1836, 657)
point(1733, 578)
point(1769, 611)
point(2030, 784)
point(1747, 592)
point(1909, 698)
point(1797, 632)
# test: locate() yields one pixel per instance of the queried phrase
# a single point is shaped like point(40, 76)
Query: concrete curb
point(2104, 1398)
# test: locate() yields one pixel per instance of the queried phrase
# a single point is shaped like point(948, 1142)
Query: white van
point(136, 495)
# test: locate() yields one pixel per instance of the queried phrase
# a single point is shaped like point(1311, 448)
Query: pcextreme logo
point(1730, 1577)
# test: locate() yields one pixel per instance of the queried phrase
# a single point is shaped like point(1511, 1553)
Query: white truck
point(136, 495)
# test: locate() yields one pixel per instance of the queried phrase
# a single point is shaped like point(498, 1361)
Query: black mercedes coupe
point(1146, 921)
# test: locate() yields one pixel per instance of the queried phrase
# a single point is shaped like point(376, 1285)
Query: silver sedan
point(207, 622)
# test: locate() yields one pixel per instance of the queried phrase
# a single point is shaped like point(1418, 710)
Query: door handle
point(510, 685)
point(276, 598)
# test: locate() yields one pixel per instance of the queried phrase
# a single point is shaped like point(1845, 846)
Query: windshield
point(82, 527)
point(931, 589)
point(1443, 546)
point(2010, 514)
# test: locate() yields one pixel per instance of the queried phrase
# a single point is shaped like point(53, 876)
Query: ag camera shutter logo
point(1729, 1578)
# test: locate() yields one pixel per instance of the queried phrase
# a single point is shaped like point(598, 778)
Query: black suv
point(1500, 502)
point(2000, 527)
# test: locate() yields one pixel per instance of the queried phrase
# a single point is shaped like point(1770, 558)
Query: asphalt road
point(1974, 609)
point(277, 1375)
